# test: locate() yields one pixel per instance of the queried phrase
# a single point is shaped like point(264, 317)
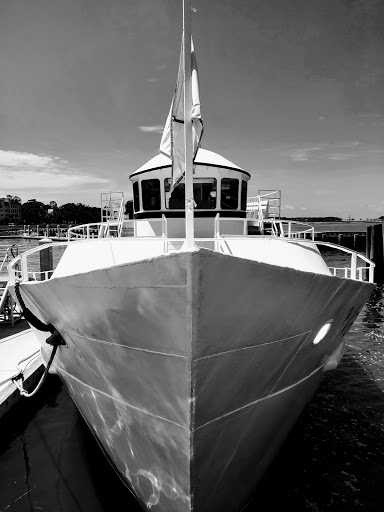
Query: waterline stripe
point(261, 399)
point(125, 346)
point(121, 401)
point(252, 346)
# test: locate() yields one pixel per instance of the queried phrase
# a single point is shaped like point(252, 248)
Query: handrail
point(8, 258)
point(281, 227)
point(96, 228)
point(21, 260)
point(18, 267)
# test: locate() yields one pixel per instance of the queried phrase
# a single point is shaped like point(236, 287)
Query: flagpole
point(189, 201)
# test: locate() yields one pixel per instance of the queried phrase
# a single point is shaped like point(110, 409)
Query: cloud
point(301, 155)
point(333, 151)
point(21, 171)
point(157, 128)
point(37, 180)
point(289, 207)
point(340, 156)
point(21, 159)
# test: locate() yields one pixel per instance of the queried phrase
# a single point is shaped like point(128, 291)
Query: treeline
point(35, 212)
point(314, 219)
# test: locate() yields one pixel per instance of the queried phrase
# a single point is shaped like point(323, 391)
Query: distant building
point(9, 210)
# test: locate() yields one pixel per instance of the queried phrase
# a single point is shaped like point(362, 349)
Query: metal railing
point(7, 255)
point(291, 229)
point(18, 267)
point(278, 228)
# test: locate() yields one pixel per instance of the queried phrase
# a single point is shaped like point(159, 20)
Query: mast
point(189, 201)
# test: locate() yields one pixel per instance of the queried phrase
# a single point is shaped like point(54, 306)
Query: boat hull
point(191, 368)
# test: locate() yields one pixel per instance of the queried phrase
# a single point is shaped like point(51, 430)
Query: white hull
point(191, 368)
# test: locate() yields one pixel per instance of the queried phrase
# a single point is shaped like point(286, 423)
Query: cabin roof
point(203, 157)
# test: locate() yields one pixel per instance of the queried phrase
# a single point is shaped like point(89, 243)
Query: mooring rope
point(29, 316)
point(55, 340)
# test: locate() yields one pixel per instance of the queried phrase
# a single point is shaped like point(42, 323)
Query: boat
point(192, 336)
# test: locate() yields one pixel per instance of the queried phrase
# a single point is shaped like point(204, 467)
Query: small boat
point(192, 336)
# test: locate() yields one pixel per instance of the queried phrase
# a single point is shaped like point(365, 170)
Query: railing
point(8, 255)
point(8, 308)
point(353, 272)
point(258, 210)
point(291, 229)
point(279, 228)
point(102, 229)
point(257, 207)
point(18, 268)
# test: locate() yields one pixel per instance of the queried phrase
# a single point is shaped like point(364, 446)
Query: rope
point(55, 340)
point(29, 316)
point(17, 252)
point(19, 385)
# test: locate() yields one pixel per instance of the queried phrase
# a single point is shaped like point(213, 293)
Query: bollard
point(46, 259)
point(375, 250)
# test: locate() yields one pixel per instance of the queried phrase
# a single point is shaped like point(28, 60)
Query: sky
point(291, 91)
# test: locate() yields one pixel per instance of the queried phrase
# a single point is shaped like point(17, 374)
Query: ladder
point(112, 214)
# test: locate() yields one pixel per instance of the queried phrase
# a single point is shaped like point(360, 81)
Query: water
point(25, 244)
point(332, 461)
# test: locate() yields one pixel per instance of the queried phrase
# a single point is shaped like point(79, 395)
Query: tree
point(71, 213)
point(33, 212)
point(15, 199)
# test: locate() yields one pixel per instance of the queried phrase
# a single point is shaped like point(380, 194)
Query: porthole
point(322, 332)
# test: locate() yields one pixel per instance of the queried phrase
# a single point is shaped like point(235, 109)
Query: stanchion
point(46, 259)
point(375, 250)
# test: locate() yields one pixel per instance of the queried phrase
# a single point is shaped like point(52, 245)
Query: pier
point(56, 232)
point(352, 235)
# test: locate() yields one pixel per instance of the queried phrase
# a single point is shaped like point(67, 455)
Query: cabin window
point(229, 194)
point(243, 202)
point(150, 194)
point(204, 194)
point(136, 197)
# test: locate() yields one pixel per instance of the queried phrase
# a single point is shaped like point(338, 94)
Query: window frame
point(136, 196)
point(200, 180)
point(157, 206)
point(221, 193)
point(243, 195)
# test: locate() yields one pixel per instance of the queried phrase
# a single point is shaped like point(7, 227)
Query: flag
point(172, 141)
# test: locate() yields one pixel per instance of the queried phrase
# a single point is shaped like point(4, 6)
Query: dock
point(352, 235)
